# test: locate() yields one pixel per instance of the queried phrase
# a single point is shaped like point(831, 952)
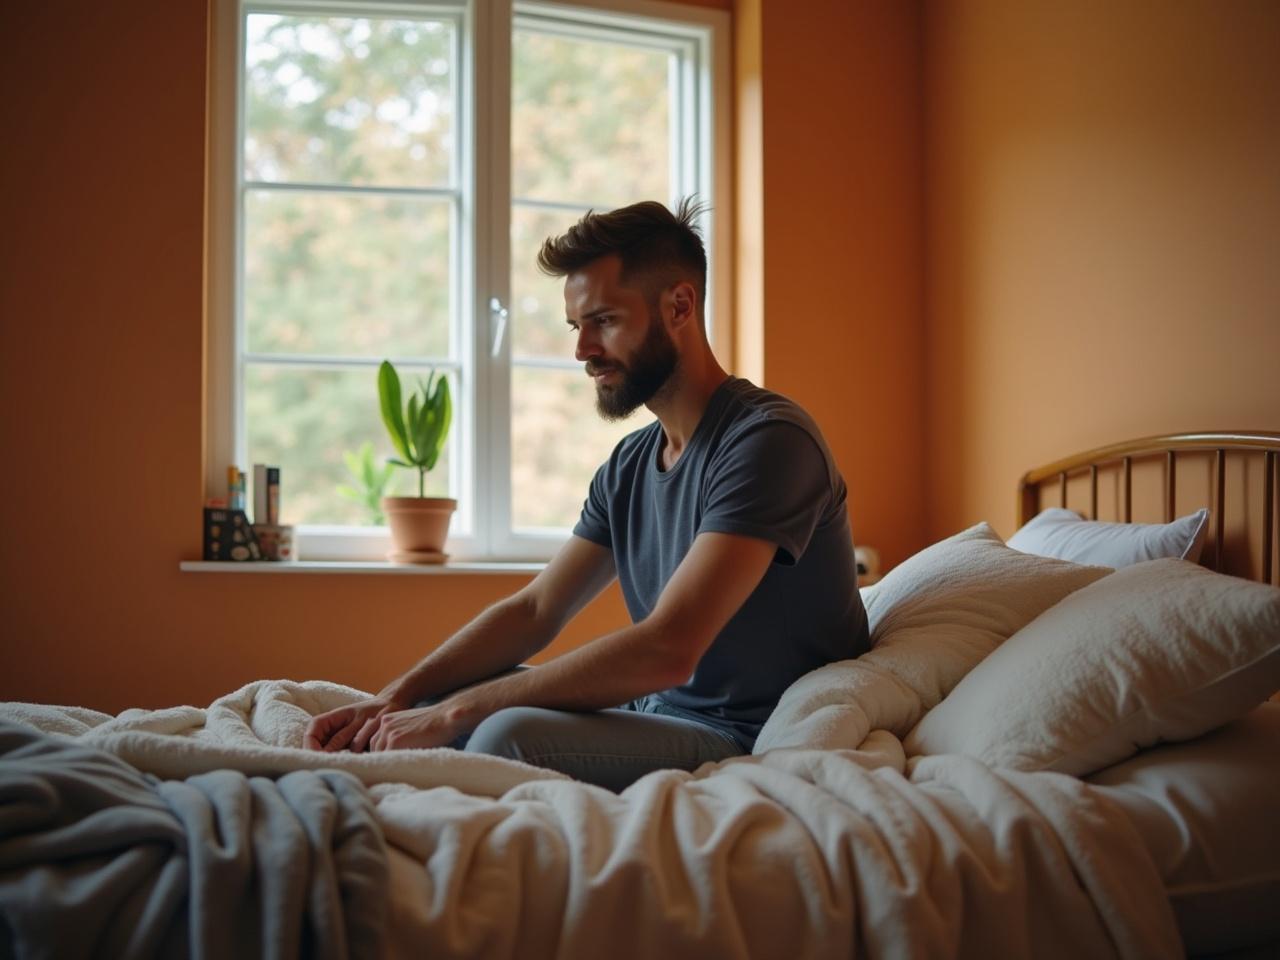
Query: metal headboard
point(1262, 442)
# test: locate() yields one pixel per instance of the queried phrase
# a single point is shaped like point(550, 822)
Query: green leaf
point(442, 408)
point(389, 401)
point(413, 429)
point(423, 430)
point(398, 463)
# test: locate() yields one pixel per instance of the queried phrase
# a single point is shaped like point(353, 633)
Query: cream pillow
point(1206, 809)
point(1162, 650)
point(1068, 536)
point(961, 598)
point(932, 618)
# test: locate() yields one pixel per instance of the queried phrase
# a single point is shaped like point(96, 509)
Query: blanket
point(97, 859)
point(794, 851)
point(259, 729)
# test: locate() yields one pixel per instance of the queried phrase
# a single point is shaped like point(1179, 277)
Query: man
point(724, 521)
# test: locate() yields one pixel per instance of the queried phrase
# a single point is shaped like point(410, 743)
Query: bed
point(1043, 755)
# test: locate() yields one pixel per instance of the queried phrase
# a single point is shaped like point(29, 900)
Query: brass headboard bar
point(1220, 510)
point(1128, 489)
point(1256, 440)
point(1268, 512)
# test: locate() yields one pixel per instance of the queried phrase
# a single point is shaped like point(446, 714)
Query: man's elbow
point(676, 651)
point(530, 618)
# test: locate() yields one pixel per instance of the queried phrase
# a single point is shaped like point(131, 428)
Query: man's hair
point(657, 247)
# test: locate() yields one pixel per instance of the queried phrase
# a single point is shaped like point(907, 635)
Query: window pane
point(350, 275)
point(349, 100)
point(557, 442)
point(537, 318)
point(589, 120)
point(304, 420)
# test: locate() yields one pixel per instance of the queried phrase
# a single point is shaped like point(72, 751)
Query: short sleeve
point(774, 483)
point(593, 524)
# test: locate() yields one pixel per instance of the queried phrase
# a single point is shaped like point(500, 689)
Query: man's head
point(633, 277)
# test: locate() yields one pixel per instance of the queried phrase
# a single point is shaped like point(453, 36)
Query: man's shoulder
point(765, 427)
point(752, 407)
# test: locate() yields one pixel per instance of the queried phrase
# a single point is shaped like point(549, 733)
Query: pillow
point(1206, 810)
point(1162, 650)
point(932, 618)
point(1068, 536)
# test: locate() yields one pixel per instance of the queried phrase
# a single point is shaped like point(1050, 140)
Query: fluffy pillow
point(1162, 650)
point(1206, 810)
point(1068, 536)
point(932, 618)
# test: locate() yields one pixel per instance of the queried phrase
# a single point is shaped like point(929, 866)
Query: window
point(382, 175)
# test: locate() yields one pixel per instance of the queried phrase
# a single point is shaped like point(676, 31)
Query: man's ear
point(683, 300)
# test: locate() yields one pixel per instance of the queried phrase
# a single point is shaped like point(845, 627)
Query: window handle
point(499, 314)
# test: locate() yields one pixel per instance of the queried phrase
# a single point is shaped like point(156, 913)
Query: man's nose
point(587, 347)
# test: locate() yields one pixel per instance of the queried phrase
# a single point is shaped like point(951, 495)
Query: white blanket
point(259, 730)
point(793, 852)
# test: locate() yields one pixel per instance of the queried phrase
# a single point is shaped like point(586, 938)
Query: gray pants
point(610, 748)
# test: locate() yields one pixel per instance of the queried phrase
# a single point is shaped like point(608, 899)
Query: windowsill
point(353, 566)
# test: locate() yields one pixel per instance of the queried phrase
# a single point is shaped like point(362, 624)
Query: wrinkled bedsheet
point(794, 852)
point(98, 859)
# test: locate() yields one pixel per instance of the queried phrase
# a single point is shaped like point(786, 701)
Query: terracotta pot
point(419, 527)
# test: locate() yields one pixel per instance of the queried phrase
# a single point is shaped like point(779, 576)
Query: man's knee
point(510, 732)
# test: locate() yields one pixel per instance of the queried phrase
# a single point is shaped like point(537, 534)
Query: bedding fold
point(98, 859)
point(259, 730)
point(794, 851)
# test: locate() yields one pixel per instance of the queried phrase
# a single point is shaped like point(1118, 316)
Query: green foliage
point(372, 478)
point(420, 436)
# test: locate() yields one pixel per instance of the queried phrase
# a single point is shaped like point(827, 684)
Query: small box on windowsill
point(228, 535)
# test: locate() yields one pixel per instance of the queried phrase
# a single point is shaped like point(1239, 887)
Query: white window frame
point(481, 474)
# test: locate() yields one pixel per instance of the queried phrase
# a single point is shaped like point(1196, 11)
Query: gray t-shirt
point(756, 465)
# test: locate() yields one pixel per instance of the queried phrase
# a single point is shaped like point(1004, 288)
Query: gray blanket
point(98, 859)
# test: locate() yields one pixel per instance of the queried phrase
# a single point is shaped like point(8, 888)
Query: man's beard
point(646, 373)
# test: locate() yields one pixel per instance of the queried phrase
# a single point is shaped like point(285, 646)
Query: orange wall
point(100, 375)
point(1103, 224)
point(1070, 242)
point(840, 316)
point(100, 380)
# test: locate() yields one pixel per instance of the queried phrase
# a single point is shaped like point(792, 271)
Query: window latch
point(498, 313)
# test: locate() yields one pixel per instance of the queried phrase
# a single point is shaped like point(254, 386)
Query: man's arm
point(712, 582)
point(514, 629)
point(504, 635)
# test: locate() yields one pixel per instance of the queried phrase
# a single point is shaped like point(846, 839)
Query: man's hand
point(434, 726)
point(350, 727)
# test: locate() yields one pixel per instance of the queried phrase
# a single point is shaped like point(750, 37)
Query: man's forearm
point(607, 672)
point(503, 636)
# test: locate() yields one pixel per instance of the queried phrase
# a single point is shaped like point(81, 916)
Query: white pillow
point(1068, 536)
point(1162, 650)
point(932, 618)
point(1206, 810)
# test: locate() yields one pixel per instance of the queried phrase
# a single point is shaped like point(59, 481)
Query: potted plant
point(419, 525)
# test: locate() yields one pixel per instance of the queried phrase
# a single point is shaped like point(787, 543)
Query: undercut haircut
point(657, 248)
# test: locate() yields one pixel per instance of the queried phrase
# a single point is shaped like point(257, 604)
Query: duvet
point(209, 831)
